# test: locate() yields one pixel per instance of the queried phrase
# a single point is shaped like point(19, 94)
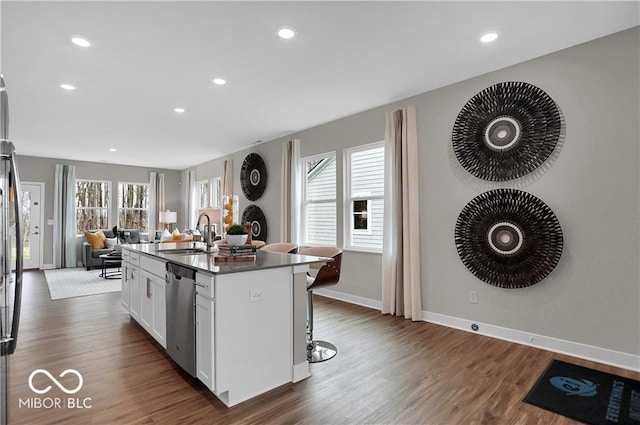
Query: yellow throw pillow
point(97, 239)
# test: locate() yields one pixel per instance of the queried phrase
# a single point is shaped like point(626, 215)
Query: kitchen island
point(250, 316)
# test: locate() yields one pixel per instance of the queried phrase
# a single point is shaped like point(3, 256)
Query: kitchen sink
point(181, 251)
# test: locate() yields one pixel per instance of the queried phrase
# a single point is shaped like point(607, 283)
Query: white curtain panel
point(289, 193)
point(227, 177)
point(157, 200)
point(64, 217)
point(401, 248)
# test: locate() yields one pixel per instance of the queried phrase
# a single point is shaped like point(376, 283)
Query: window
point(319, 200)
point(210, 193)
point(216, 192)
point(133, 206)
point(364, 197)
point(204, 195)
point(92, 205)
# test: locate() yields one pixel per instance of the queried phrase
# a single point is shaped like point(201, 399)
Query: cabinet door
point(158, 299)
point(126, 293)
point(146, 303)
point(134, 292)
point(205, 341)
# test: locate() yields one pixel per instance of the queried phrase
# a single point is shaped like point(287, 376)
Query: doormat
point(587, 395)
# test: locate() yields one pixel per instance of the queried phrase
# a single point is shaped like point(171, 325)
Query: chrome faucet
point(209, 238)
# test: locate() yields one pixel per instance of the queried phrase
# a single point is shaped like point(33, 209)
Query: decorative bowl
point(236, 240)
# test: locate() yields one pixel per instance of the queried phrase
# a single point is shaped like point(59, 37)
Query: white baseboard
point(47, 266)
point(575, 349)
point(351, 299)
point(300, 371)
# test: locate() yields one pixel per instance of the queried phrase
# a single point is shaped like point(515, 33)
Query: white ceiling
point(150, 57)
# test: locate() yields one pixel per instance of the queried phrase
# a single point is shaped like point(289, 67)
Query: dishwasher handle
point(180, 272)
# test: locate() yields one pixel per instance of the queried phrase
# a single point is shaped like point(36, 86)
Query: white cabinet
point(132, 270)
point(205, 341)
point(146, 304)
point(158, 298)
point(125, 294)
point(153, 308)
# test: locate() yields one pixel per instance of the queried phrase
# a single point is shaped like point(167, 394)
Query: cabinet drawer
point(205, 285)
point(130, 257)
point(153, 266)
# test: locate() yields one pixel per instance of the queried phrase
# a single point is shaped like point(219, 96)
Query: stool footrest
point(319, 351)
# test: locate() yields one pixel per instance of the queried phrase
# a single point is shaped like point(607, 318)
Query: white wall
point(593, 296)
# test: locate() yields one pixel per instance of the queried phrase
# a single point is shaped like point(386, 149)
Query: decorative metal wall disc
point(506, 131)
point(508, 238)
point(253, 176)
point(253, 214)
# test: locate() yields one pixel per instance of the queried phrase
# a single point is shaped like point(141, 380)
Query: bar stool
point(284, 247)
point(328, 274)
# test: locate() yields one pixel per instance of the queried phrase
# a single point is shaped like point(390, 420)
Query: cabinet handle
point(148, 288)
point(201, 285)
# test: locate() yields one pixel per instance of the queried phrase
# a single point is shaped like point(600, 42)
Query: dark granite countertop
point(208, 262)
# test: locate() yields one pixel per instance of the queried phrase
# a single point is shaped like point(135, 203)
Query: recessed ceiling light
point(179, 110)
point(219, 81)
point(112, 149)
point(67, 86)
point(286, 33)
point(80, 41)
point(489, 37)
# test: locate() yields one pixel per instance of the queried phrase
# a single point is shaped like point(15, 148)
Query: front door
point(32, 222)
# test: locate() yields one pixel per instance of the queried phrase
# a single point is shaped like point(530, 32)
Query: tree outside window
point(92, 205)
point(133, 206)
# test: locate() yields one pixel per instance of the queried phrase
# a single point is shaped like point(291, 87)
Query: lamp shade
point(168, 217)
point(212, 213)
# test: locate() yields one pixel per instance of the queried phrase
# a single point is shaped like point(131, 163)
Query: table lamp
point(168, 217)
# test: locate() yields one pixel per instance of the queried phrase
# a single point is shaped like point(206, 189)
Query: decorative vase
point(231, 211)
point(236, 240)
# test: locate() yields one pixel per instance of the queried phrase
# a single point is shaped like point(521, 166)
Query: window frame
point(148, 209)
point(216, 201)
point(304, 202)
point(348, 213)
point(107, 208)
point(199, 185)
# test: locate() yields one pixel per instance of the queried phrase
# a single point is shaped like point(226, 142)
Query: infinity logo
point(580, 387)
point(55, 381)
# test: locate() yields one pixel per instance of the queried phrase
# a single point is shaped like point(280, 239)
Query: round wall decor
point(508, 238)
point(253, 214)
point(506, 131)
point(253, 176)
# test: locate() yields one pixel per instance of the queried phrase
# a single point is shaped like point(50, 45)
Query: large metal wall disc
point(508, 238)
point(506, 131)
point(253, 214)
point(253, 176)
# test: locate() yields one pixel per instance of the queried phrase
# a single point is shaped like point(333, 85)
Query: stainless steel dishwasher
point(181, 329)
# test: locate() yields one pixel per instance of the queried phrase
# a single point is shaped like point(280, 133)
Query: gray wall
point(36, 169)
point(593, 296)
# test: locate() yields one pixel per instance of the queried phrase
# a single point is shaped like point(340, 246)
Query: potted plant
point(236, 235)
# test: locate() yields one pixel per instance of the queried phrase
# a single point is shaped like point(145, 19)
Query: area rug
point(587, 395)
point(78, 282)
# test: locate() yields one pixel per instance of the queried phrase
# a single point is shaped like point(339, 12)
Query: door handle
point(148, 288)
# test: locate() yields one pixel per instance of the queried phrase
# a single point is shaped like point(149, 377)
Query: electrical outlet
point(473, 297)
point(256, 295)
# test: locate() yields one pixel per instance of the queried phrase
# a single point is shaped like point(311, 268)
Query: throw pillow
point(110, 242)
point(97, 239)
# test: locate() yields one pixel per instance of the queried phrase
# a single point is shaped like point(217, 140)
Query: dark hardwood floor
point(388, 371)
